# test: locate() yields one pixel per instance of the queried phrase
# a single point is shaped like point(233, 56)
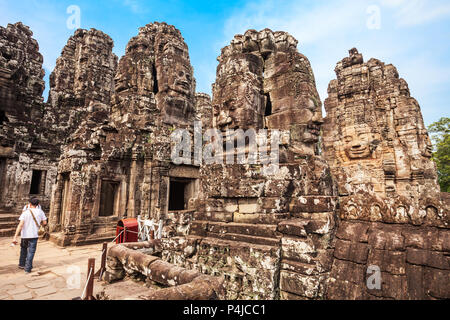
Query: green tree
point(440, 133)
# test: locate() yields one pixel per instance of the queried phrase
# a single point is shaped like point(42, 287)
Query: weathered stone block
point(436, 283)
point(415, 278)
point(262, 218)
point(248, 206)
point(294, 227)
point(428, 258)
point(312, 204)
point(393, 262)
point(344, 290)
point(348, 271)
point(393, 286)
point(351, 251)
point(298, 249)
point(386, 240)
point(353, 231)
point(290, 296)
point(302, 285)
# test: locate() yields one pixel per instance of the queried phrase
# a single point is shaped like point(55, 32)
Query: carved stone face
point(226, 51)
point(427, 151)
point(357, 142)
point(312, 120)
point(180, 79)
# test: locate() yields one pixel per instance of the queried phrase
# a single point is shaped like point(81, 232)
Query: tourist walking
point(28, 228)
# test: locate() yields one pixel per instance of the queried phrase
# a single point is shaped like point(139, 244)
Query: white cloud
point(48, 24)
point(325, 32)
point(133, 5)
point(309, 23)
point(137, 7)
point(417, 12)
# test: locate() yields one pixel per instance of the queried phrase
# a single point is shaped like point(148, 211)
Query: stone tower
point(393, 225)
point(27, 158)
point(378, 147)
point(83, 76)
point(117, 164)
point(269, 235)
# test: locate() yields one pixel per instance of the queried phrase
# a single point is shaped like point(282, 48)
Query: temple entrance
point(108, 198)
point(180, 191)
point(37, 186)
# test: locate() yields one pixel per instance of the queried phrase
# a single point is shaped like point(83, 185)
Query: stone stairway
point(8, 223)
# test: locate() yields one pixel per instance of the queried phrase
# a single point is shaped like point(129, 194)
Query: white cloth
point(30, 230)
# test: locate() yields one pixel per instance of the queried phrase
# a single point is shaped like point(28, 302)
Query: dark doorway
point(37, 182)
point(3, 118)
point(268, 111)
point(155, 80)
point(108, 198)
point(177, 200)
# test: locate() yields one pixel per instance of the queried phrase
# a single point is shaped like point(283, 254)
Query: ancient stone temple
point(83, 76)
point(292, 206)
point(28, 158)
point(33, 132)
point(267, 234)
point(391, 212)
point(117, 164)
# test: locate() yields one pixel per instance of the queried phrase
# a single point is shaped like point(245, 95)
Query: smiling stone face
point(135, 68)
point(357, 141)
point(264, 82)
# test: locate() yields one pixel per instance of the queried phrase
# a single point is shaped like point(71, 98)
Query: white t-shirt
point(30, 230)
point(28, 206)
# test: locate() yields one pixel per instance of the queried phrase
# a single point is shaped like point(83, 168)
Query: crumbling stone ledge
point(182, 284)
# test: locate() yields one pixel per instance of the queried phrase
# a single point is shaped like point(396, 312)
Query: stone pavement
point(58, 274)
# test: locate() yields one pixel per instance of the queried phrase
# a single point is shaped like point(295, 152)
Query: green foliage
point(440, 132)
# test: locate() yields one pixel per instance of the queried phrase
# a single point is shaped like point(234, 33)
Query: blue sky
point(414, 35)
